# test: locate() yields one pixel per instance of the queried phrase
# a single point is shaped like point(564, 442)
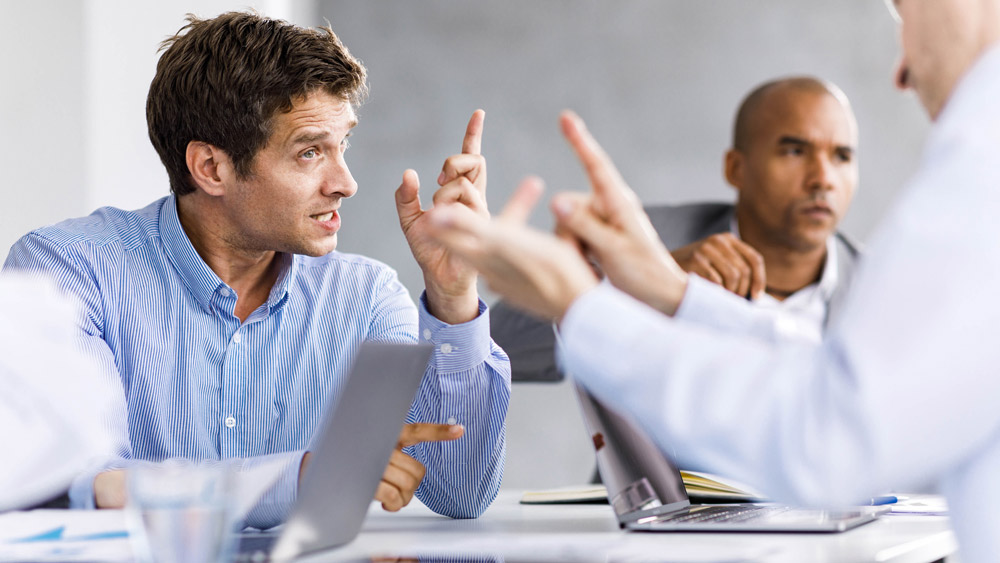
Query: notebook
point(647, 493)
point(349, 454)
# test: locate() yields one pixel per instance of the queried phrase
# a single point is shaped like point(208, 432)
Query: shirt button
point(230, 422)
point(427, 334)
point(452, 420)
point(224, 292)
point(446, 348)
point(236, 338)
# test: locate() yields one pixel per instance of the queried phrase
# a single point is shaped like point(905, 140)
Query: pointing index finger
point(604, 177)
point(472, 144)
point(425, 432)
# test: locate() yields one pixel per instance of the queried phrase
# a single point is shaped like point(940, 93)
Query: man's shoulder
point(106, 226)
point(679, 225)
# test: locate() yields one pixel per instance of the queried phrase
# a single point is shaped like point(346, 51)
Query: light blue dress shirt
point(197, 383)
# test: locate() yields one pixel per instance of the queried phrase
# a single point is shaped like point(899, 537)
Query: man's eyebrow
point(306, 138)
point(790, 140)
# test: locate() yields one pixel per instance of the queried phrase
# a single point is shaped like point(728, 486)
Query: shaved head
point(758, 101)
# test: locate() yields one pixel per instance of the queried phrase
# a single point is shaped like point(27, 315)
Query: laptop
point(349, 454)
point(647, 494)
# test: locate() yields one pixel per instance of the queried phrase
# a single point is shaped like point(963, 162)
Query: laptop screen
point(640, 479)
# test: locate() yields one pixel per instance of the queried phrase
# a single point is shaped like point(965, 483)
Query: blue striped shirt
point(199, 384)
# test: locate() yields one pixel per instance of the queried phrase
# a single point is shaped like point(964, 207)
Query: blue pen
point(886, 499)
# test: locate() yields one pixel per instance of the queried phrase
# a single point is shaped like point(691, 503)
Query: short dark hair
point(743, 127)
point(222, 80)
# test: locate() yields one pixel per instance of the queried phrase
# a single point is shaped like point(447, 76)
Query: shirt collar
point(827, 284)
point(199, 278)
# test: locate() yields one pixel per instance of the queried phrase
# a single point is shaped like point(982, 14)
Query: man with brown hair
point(223, 312)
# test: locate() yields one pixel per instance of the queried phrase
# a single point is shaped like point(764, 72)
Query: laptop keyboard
point(727, 513)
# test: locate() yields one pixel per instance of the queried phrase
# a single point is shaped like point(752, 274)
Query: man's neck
point(789, 270)
point(251, 274)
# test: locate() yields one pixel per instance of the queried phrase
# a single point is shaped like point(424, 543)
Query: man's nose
point(339, 181)
point(821, 174)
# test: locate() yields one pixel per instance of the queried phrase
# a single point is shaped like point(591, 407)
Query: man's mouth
point(323, 216)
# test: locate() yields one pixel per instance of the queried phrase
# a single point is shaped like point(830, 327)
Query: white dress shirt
point(803, 313)
point(904, 389)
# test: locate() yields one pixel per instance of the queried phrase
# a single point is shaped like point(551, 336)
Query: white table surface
point(509, 531)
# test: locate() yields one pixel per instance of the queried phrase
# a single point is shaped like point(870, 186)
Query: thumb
point(408, 197)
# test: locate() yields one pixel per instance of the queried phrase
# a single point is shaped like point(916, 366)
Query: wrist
point(452, 307)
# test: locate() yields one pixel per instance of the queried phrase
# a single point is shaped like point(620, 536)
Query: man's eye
point(310, 154)
point(844, 157)
point(346, 143)
point(793, 151)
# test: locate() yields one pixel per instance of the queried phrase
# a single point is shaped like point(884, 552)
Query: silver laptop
point(647, 494)
point(349, 454)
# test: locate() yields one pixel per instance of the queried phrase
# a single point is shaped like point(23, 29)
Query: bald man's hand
point(726, 260)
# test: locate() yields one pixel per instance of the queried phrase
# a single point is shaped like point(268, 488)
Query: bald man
point(794, 168)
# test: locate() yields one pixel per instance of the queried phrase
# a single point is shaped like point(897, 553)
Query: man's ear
point(210, 168)
point(734, 168)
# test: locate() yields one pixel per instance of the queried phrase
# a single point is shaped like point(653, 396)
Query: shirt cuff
point(275, 504)
point(456, 347)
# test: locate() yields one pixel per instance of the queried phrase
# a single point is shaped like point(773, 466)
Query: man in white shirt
point(903, 388)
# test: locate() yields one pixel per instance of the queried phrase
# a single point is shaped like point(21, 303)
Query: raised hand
point(450, 283)
point(613, 229)
point(532, 270)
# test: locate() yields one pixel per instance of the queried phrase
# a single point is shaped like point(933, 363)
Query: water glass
point(181, 511)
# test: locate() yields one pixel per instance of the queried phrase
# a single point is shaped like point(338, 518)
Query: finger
point(753, 258)
point(704, 268)
point(408, 196)
point(405, 474)
point(460, 190)
point(425, 432)
point(521, 204)
point(472, 143)
point(612, 194)
point(390, 496)
point(461, 231)
point(581, 222)
point(725, 245)
point(472, 166)
point(722, 264)
point(561, 232)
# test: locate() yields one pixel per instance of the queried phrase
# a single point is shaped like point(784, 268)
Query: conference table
point(510, 531)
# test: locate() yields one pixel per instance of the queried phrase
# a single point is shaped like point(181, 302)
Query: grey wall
point(658, 83)
point(42, 163)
